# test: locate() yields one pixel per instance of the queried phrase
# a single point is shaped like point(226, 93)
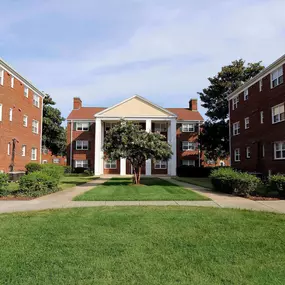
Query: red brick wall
point(258, 133)
point(14, 98)
point(49, 157)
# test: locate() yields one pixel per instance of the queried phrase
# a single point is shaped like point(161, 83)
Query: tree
point(127, 140)
point(214, 138)
point(54, 135)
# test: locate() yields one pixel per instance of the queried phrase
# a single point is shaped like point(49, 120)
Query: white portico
point(151, 116)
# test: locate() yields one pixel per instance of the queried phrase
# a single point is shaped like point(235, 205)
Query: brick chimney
point(77, 103)
point(193, 104)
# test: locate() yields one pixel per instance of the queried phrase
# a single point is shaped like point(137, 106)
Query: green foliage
point(215, 134)
point(227, 180)
point(3, 184)
point(277, 183)
point(54, 135)
point(33, 166)
point(37, 184)
point(126, 139)
point(55, 171)
point(67, 169)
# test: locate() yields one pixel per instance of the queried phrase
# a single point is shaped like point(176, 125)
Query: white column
point(148, 162)
point(171, 137)
point(123, 166)
point(102, 152)
point(98, 147)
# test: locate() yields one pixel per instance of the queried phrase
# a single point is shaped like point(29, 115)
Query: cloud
point(165, 50)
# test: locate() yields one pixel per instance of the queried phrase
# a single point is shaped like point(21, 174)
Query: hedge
point(192, 171)
point(277, 183)
point(4, 178)
point(229, 181)
point(33, 166)
point(55, 171)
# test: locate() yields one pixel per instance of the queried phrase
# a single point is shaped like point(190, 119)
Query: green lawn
point(152, 189)
point(199, 181)
point(142, 245)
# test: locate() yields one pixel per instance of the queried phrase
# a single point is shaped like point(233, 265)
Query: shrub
point(55, 171)
point(88, 172)
point(277, 183)
point(37, 183)
point(192, 171)
point(67, 169)
point(79, 170)
point(3, 184)
point(33, 166)
point(227, 180)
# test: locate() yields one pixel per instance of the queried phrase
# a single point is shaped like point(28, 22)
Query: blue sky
point(164, 50)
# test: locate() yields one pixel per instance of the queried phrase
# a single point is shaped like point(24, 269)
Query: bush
point(55, 171)
point(79, 170)
point(277, 183)
point(229, 181)
point(33, 166)
point(67, 169)
point(37, 183)
point(3, 184)
point(88, 172)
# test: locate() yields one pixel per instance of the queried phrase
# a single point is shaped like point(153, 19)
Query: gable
point(134, 107)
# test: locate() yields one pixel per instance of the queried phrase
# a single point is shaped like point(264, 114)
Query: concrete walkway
point(63, 199)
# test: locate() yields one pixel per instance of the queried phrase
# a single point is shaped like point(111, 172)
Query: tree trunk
point(137, 175)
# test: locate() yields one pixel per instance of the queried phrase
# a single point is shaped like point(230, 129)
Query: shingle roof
point(186, 114)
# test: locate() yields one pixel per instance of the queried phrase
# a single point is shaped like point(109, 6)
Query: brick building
point(48, 157)
point(86, 127)
point(257, 122)
point(21, 109)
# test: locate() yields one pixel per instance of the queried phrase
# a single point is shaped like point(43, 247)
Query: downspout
point(71, 143)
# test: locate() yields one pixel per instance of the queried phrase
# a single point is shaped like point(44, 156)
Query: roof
point(280, 61)
point(87, 113)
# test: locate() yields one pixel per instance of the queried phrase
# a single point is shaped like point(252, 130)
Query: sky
point(164, 50)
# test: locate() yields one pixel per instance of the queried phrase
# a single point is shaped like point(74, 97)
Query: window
point(12, 81)
point(25, 121)
point(34, 154)
point(9, 149)
point(160, 164)
point(82, 126)
point(26, 91)
point(109, 126)
point(279, 150)
point(110, 164)
point(56, 160)
point(263, 150)
point(277, 77)
point(248, 152)
point(237, 154)
point(11, 115)
point(1, 77)
point(188, 146)
point(278, 113)
point(188, 128)
point(1, 112)
point(82, 145)
point(160, 127)
point(44, 162)
point(236, 128)
point(235, 102)
point(36, 101)
point(222, 163)
point(81, 163)
point(246, 123)
point(261, 117)
point(188, 162)
point(35, 127)
point(23, 150)
point(245, 95)
point(260, 85)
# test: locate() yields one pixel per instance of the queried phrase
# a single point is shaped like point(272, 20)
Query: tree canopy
point(128, 140)
point(215, 133)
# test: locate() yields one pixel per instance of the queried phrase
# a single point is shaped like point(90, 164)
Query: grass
point(132, 245)
point(152, 189)
point(199, 181)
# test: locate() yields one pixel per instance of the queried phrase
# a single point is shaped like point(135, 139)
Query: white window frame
point(11, 114)
point(108, 126)
point(34, 152)
point(1, 76)
point(25, 121)
point(110, 164)
point(82, 126)
point(279, 116)
point(188, 162)
point(188, 146)
point(188, 128)
point(245, 95)
point(36, 100)
point(237, 154)
point(160, 127)
point(82, 145)
point(24, 149)
point(235, 102)
point(260, 85)
point(12, 81)
point(261, 117)
point(9, 149)
point(35, 127)
point(56, 161)
point(236, 128)
point(81, 163)
point(279, 147)
point(246, 123)
point(277, 77)
point(160, 164)
point(26, 91)
point(44, 161)
point(248, 154)
point(1, 112)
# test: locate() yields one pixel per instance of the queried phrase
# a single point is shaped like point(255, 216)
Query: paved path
point(63, 199)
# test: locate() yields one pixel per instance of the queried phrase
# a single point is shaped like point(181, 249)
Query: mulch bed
point(15, 198)
point(260, 198)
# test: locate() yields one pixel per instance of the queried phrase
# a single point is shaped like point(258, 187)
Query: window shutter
point(181, 148)
point(90, 124)
point(196, 128)
point(89, 145)
point(74, 126)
